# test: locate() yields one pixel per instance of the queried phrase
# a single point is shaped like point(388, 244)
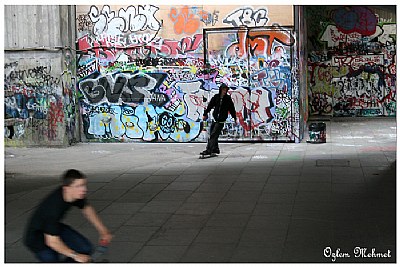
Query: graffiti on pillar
point(353, 70)
point(34, 102)
point(68, 86)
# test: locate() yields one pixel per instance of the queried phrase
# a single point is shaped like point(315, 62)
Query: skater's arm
point(58, 245)
point(210, 106)
point(92, 216)
point(232, 110)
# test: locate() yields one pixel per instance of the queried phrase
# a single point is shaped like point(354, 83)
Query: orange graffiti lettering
point(184, 22)
point(259, 42)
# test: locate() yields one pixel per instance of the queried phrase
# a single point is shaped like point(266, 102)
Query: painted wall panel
point(39, 77)
point(351, 62)
point(256, 62)
point(142, 76)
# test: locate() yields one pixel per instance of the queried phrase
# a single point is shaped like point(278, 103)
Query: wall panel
point(39, 77)
point(351, 60)
point(141, 72)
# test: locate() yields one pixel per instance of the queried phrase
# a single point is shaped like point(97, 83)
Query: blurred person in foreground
point(48, 238)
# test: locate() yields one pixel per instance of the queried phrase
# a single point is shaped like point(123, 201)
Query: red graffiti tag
point(56, 115)
point(103, 50)
point(173, 47)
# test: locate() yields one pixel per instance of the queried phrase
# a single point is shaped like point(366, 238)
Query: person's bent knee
point(86, 248)
point(47, 255)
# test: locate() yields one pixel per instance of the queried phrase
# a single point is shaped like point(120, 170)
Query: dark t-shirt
point(47, 219)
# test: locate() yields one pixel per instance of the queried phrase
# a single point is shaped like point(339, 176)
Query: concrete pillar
point(40, 75)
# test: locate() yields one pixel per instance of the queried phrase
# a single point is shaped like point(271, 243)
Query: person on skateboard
point(48, 238)
point(222, 104)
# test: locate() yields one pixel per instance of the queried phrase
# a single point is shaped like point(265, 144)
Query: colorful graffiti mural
point(156, 88)
point(38, 103)
point(352, 67)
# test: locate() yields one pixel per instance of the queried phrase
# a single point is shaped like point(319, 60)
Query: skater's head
point(223, 89)
point(74, 185)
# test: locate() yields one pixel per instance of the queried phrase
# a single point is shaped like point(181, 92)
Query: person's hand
point(82, 258)
point(105, 238)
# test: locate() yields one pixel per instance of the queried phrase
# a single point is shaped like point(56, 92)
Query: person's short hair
point(70, 176)
point(223, 86)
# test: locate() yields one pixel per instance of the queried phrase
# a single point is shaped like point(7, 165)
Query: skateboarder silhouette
point(222, 104)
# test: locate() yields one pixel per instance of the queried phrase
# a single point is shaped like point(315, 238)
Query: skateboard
point(208, 156)
point(100, 250)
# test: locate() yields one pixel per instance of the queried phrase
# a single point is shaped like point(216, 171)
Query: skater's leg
point(208, 147)
point(48, 255)
point(214, 135)
point(75, 240)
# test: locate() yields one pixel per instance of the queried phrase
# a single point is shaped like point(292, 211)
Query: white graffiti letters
point(333, 36)
point(130, 19)
point(247, 17)
point(149, 11)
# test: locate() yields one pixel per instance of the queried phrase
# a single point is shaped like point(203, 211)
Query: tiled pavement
point(262, 202)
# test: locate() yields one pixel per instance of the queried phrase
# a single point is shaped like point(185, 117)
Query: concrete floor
point(262, 202)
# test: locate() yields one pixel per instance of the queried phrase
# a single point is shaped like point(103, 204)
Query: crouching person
point(48, 238)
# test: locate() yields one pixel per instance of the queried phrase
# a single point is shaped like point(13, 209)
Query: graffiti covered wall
point(39, 102)
point(142, 75)
point(352, 60)
point(39, 78)
point(258, 67)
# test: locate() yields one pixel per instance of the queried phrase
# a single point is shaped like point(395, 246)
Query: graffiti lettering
point(355, 19)
point(122, 87)
point(260, 43)
point(130, 19)
point(353, 76)
point(247, 17)
point(356, 62)
point(208, 18)
point(183, 21)
point(175, 48)
point(155, 48)
point(119, 60)
point(83, 22)
point(333, 36)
